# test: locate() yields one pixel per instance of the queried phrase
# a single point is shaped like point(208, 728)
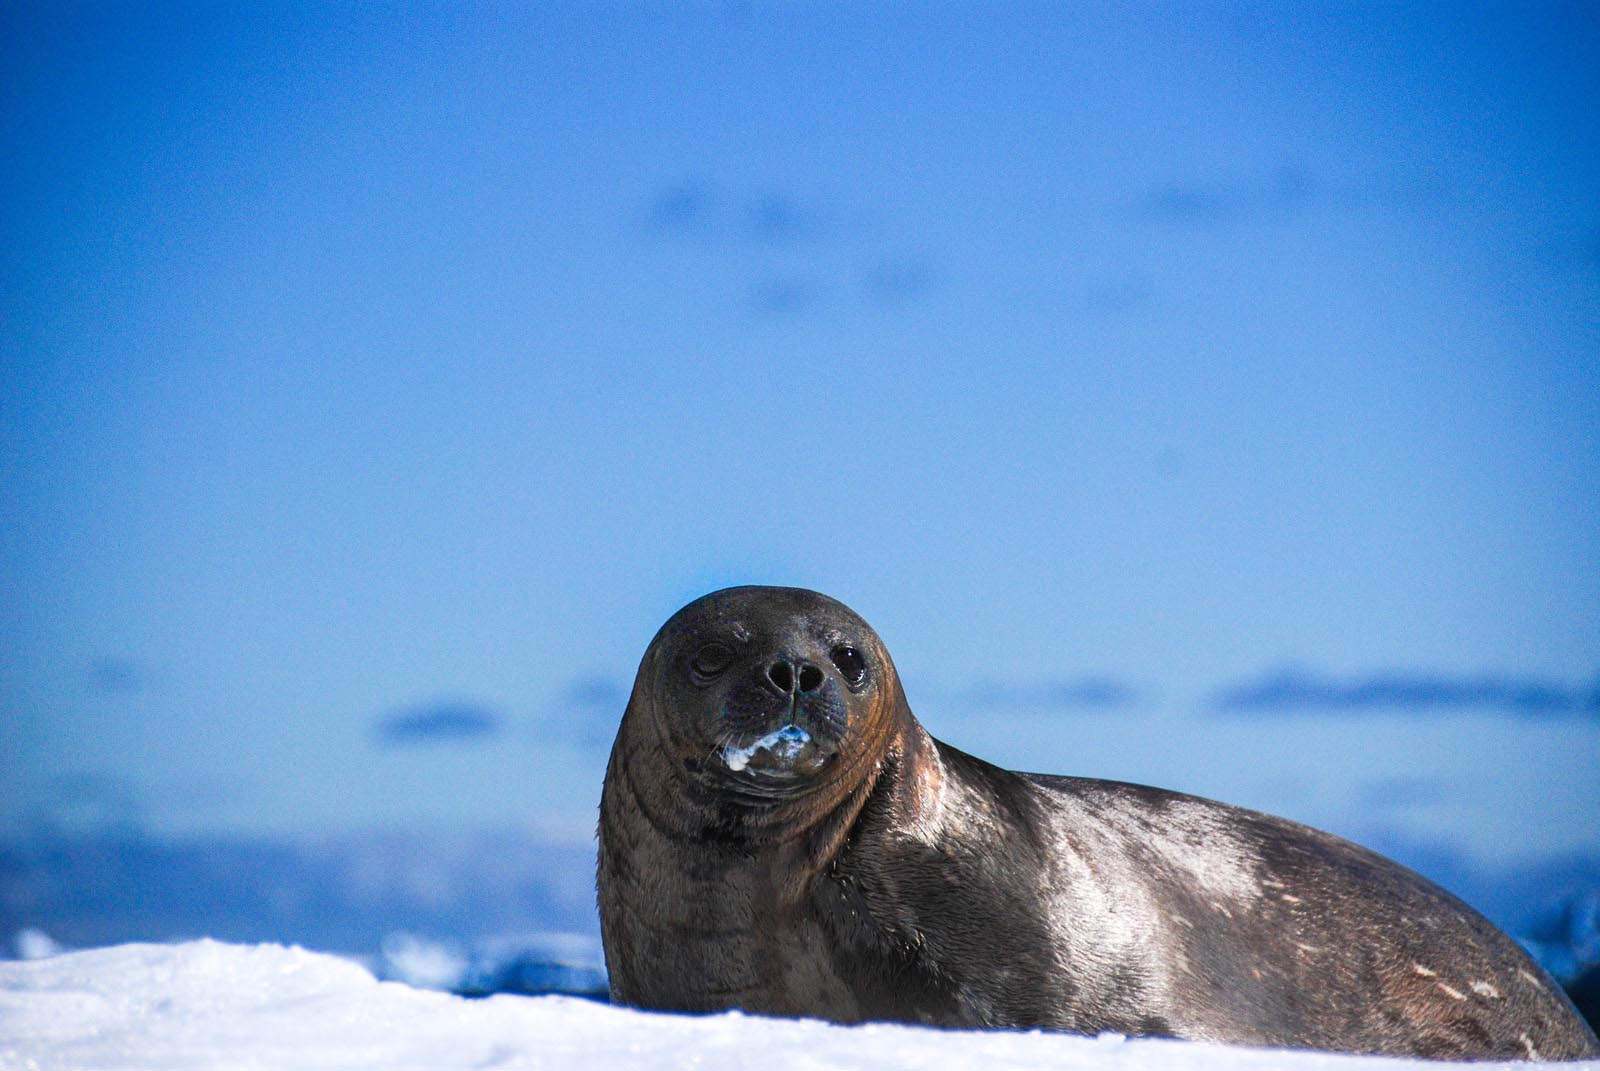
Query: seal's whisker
point(723, 741)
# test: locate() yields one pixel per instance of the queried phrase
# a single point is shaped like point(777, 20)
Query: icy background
point(1199, 395)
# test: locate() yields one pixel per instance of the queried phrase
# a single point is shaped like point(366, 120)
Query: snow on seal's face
point(784, 744)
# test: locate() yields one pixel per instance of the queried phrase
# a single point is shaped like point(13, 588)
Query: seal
point(779, 834)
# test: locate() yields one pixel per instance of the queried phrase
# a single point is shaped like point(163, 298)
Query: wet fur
point(918, 883)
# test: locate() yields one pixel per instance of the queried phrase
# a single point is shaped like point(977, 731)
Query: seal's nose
point(794, 676)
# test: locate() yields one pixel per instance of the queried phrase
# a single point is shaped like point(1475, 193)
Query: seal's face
point(764, 687)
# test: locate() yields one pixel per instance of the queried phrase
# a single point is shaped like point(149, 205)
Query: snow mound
point(211, 1005)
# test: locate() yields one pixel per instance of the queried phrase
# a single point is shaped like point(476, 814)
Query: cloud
point(1299, 691)
point(898, 280)
point(587, 712)
point(441, 722)
point(797, 254)
point(115, 676)
point(696, 210)
point(785, 295)
point(596, 693)
point(683, 208)
point(778, 219)
point(1065, 693)
point(1285, 192)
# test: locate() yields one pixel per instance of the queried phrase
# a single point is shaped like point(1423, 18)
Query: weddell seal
point(779, 834)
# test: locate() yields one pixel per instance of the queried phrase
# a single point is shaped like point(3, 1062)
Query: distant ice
point(210, 1005)
point(527, 963)
point(35, 944)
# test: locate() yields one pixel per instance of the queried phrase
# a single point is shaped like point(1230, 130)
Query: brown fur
point(880, 874)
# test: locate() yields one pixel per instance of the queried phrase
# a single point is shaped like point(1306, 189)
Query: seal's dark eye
point(711, 659)
point(851, 665)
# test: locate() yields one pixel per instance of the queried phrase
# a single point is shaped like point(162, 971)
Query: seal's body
point(779, 834)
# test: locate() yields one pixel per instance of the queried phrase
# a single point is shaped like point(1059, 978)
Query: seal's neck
point(716, 900)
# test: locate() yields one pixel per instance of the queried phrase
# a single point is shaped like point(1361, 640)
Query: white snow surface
point(206, 1004)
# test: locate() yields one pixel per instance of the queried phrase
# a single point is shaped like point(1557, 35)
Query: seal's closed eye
point(711, 660)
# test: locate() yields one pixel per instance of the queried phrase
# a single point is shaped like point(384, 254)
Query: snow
point(206, 1004)
point(785, 743)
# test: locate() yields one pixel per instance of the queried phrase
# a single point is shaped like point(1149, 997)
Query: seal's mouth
point(779, 750)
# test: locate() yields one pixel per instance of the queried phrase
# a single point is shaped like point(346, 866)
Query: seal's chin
point(789, 750)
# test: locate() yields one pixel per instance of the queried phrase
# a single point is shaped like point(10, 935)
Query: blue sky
point(364, 364)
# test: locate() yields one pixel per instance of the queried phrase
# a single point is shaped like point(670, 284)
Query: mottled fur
point(890, 876)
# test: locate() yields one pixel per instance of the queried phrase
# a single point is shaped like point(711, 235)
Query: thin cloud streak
point(444, 722)
point(1299, 691)
point(1065, 693)
point(696, 210)
point(1286, 193)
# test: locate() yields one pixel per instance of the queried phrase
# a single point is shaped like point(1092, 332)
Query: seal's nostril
point(780, 674)
point(810, 677)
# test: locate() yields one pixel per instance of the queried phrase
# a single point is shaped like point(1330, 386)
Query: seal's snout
point(787, 716)
point(791, 676)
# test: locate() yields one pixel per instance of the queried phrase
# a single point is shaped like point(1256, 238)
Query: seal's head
point(766, 694)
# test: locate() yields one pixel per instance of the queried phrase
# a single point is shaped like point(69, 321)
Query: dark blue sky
point(363, 364)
